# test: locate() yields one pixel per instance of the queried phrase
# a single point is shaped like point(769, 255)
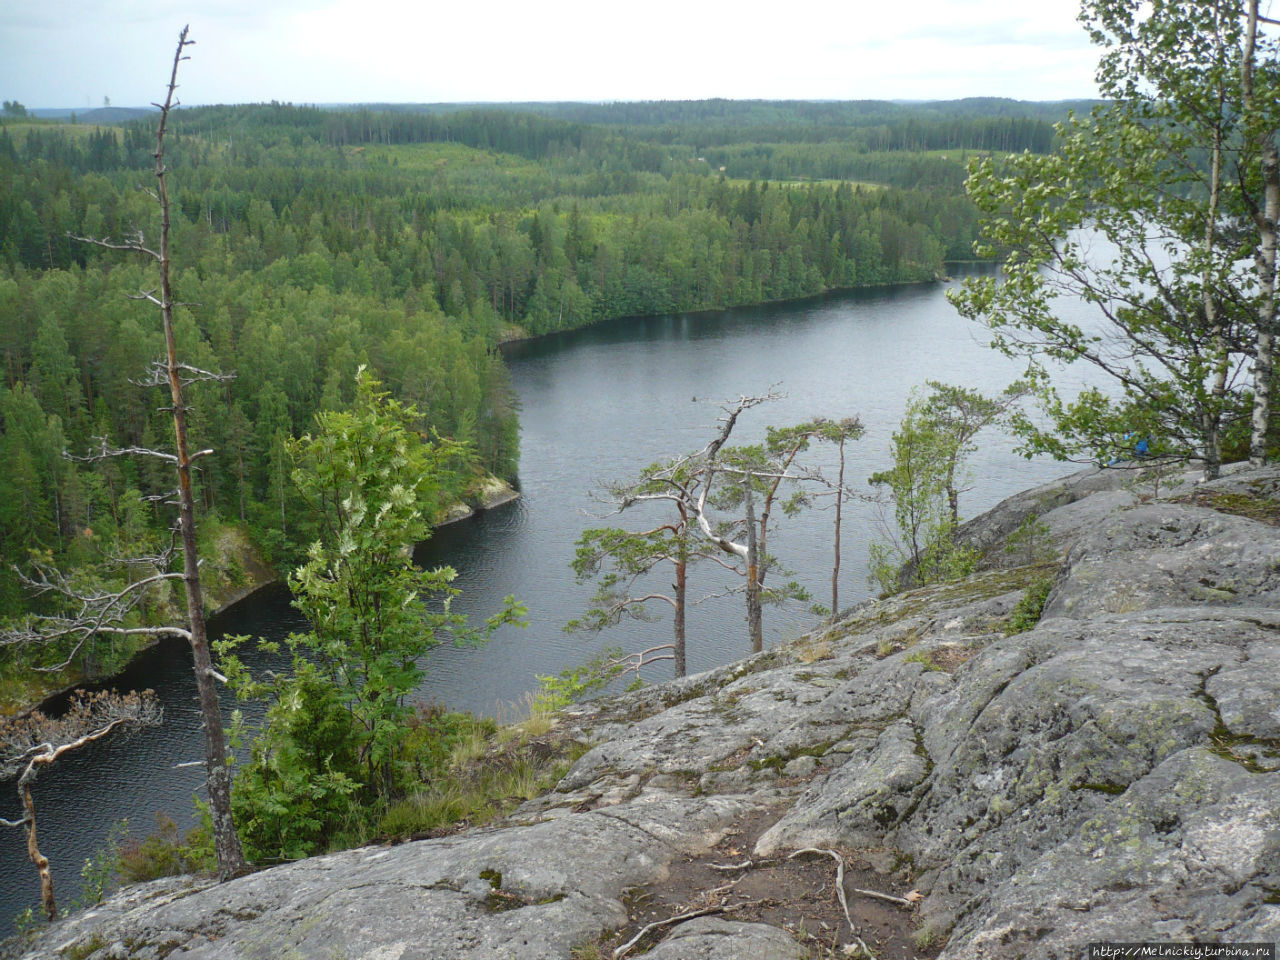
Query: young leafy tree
point(1154, 213)
point(933, 440)
point(957, 415)
point(338, 724)
point(30, 743)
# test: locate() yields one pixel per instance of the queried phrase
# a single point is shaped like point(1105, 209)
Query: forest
point(412, 240)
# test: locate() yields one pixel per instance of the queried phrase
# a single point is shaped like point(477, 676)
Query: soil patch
point(795, 894)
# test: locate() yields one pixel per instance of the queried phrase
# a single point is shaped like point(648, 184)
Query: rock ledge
point(1111, 774)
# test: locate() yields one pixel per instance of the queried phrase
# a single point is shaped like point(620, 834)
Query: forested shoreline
point(310, 242)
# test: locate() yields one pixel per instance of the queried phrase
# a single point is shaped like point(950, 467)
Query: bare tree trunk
point(835, 566)
point(681, 592)
point(1212, 414)
point(1263, 361)
point(953, 495)
point(226, 842)
point(755, 618)
point(33, 851)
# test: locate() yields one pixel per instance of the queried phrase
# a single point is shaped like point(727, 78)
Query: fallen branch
point(903, 901)
point(844, 902)
point(731, 866)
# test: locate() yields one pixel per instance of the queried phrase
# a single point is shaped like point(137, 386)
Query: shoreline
point(491, 493)
point(526, 338)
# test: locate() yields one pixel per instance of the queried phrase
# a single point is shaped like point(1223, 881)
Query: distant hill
point(773, 113)
point(103, 115)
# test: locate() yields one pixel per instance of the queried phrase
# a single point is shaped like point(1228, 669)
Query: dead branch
point(39, 740)
point(134, 244)
point(106, 451)
point(94, 613)
point(159, 373)
point(633, 662)
point(160, 561)
point(901, 901)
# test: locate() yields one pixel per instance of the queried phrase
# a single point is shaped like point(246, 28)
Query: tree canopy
point(1158, 212)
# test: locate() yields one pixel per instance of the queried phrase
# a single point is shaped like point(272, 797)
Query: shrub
point(1027, 613)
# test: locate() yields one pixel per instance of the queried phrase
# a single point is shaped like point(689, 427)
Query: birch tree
point(1153, 213)
point(932, 442)
point(1260, 121)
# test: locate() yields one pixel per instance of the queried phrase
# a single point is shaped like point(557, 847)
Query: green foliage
point(303, 776)
point(935, 436)
point(923, 658)
point(338, 728)
point(413, 240)
point(579, 682)
point(1030, 542)
point(1030, 606)
point(617, 559)
point(26, 922)
point(83, 949)
point(1148, 213)
point(945, 561)
point(98, 873)
point(165, 852)
point(469, 800)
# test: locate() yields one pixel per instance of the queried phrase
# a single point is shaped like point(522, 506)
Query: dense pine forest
point(413, 240)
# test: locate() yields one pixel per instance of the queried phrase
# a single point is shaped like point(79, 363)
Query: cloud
point(70, 53)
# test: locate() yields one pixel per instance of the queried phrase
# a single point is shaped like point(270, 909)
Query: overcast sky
point(72, 53)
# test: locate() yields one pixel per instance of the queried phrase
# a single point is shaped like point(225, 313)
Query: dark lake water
point(598, 405)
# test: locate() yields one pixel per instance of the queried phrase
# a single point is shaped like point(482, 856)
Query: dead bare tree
point(31, 743)
point(90, 613)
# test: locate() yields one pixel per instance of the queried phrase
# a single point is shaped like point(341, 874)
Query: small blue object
point(1140, 449)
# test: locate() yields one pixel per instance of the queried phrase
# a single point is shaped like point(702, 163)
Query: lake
point(598, 405)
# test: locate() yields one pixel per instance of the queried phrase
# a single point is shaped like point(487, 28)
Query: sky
point(75, 53)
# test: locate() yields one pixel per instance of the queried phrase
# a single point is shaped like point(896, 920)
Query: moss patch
point(1262, 509)
point(1239, 748)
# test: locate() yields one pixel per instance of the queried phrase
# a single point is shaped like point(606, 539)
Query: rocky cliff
point(1112, 773)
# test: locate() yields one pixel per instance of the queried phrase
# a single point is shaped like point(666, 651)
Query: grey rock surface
point(713, 938)
point(1111, 774)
